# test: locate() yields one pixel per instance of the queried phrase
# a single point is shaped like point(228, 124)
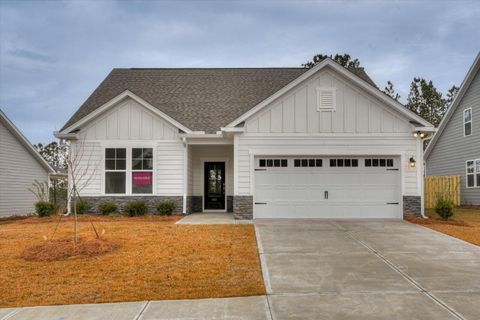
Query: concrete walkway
point(318, 269)
point(211, 218)
point(371, 269)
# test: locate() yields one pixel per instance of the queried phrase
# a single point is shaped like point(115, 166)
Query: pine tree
point(390, 91)
point(425, 100)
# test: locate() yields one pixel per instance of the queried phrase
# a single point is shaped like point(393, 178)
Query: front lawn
point(465, 224)
point(156, 260)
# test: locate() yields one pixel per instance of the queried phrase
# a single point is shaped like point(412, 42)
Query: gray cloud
point(54, 53)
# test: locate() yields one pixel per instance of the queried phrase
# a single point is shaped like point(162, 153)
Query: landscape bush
point(135, 208)
point(166, 207)
point(107, 207)
point(444, 207)
point(82, 206)
point(44, 208)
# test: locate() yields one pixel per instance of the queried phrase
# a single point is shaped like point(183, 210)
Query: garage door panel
point(353, 192)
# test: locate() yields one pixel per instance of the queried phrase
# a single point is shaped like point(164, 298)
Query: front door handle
point(326, 195)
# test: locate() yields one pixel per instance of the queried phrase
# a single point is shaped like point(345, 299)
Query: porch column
point(185, 175)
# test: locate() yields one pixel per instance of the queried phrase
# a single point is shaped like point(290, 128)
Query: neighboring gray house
point(455, 147)
point(323, 142)
point(20, 165)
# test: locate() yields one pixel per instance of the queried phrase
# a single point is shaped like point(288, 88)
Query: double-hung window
point(142, 170)
point(467, 122)
point(473, 173)
point(115, 170)
point(128, 171)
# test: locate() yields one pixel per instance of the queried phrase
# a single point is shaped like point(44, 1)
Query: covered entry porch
point(210, 177)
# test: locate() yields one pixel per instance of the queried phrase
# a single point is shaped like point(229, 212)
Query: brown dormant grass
point(465, 224)
point(156, 259)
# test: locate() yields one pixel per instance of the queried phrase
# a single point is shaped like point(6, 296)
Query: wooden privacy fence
point(448, 186)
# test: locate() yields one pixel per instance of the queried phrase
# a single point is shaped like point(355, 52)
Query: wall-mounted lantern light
point(412, 162)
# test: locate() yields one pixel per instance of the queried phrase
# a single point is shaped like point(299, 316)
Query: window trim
point(466, 122)
point(128, 168)
point(105, 170)
point(474, 173)
point(140, 170)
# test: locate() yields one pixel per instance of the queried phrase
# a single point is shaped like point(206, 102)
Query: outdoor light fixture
point(412, 162)
point(419, 134)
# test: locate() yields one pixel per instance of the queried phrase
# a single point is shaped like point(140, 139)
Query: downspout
point(185, 175)
point(422, 179)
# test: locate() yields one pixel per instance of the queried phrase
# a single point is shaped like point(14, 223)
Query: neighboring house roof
point(24, 141)
point(201, 99)
point(474, 69)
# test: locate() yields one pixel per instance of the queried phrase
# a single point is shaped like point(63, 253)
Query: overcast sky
point(54, 54)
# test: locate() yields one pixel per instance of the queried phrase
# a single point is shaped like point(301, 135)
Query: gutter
point(65, 136)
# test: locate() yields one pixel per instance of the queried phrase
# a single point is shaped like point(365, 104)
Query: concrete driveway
point(375, 269)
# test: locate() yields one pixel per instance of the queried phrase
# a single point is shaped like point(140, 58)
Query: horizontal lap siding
point(88, 167)
point(170, 160)
point(452, 149)
point(385, 145)
point(19, 169)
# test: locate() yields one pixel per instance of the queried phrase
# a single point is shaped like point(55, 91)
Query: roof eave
point(475, 67)
point(24, 141)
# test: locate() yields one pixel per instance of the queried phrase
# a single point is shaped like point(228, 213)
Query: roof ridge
point(211, 68)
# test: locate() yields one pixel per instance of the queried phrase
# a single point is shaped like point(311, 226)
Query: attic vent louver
point(326, 99)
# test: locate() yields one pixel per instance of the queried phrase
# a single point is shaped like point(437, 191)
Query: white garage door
point(327, 187)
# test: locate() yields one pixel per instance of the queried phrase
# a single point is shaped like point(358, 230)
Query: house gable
point(129, 120)
point(356, 110)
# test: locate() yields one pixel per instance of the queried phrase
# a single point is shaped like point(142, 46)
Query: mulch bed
point(66, 248)
point(436, 221)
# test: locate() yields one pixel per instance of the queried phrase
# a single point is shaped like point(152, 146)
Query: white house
point(20, 166)
point(323, 142)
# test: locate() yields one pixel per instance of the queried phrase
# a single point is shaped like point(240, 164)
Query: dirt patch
point(65, 248)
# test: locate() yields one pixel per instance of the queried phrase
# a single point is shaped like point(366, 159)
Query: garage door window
point(343, 162)
point(273, 163)
point(312, 163)
point(378, 162)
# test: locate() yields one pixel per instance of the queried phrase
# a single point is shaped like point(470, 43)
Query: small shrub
point(44, 208)
point(107, 207)
point(135, 208)
point(82, 206)
point(166, 207)
point(444, 207)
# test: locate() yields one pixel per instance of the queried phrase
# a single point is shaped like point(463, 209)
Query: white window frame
point(474, 173)
point(466, 122)
point(334, 98)
point(141, 170)
point(105, 170)
point(128, 169)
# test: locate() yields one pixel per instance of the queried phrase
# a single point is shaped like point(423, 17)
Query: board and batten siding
point(131, 125)
point(452, 149)
point(360, 125)
point(18, 170)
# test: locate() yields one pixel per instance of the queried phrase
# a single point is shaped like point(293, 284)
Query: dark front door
point(214, 196)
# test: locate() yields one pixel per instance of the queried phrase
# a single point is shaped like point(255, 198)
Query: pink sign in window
point(142, 178)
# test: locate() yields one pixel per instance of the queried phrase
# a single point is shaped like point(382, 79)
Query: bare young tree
point(82, 169)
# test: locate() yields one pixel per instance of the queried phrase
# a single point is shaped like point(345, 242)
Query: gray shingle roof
point(202, 99)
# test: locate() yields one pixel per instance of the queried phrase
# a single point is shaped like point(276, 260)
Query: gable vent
point(326, 99)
